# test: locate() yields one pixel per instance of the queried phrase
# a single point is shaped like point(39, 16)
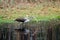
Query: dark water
point(46, 30)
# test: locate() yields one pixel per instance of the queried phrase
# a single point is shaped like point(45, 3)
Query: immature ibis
point(21, 20)
point(24, 20)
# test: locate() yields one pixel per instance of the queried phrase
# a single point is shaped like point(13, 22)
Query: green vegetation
point(39, 12)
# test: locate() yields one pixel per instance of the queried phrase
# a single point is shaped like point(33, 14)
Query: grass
point(38, 11)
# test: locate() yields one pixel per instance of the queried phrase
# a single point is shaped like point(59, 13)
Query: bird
point(24, 20)
point(20, 20)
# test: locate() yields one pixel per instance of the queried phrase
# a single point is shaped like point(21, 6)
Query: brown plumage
point(20, 20)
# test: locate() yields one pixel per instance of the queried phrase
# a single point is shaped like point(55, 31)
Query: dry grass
point(40, 12)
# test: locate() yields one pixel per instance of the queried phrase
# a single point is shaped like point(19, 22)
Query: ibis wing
point(20, 20)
